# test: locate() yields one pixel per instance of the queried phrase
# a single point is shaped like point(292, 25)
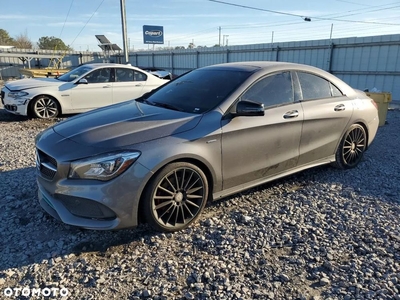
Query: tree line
point(22, 41)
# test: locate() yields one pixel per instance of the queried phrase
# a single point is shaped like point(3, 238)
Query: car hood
point(29, 83)
point(124, 124)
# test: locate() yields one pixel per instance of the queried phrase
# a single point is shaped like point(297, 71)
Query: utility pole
point(124, 37)
point(219, 42)
point(223, 43)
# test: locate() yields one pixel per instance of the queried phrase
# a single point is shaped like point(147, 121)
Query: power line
point(352, 2)
point(66, 18)
point(87, 22)
point(259, 9)
point(336, 15)
point(304, 17)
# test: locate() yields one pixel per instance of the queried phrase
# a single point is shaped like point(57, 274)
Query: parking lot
point(320, 234)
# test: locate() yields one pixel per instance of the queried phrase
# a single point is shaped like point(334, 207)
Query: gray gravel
point(320, 234)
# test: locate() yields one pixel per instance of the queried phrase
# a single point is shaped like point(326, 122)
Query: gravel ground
point(321, 234)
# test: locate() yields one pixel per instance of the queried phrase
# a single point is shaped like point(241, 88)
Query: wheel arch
point(366, 132)
point(359, 122)
point(30, 106)
point(363, 125)
point(338, 163)
point(207, 172)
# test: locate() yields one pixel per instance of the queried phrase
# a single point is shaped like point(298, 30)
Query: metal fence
point(362, 62)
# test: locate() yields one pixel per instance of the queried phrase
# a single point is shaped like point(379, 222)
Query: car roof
point(275, 66)
point(265, 65)
point(98, 65)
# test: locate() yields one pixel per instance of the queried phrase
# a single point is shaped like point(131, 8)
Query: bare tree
point(22, 41)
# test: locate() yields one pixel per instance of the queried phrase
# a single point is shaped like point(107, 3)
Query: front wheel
point(45, 107)
point(352, 147)
point(176, 197)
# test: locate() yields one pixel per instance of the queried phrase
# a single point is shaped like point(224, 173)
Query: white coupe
point(82, 89)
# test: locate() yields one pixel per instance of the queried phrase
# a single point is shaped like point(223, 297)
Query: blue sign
point(153, 34)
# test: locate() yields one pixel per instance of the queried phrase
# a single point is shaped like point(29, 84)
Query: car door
point(326, 115)
point(128, 84)
point(257, 147)
point(97, 92)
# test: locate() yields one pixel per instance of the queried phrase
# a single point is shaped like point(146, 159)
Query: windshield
point(75, 73)
point(198, 91)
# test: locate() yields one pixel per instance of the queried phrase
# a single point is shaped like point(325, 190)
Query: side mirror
point(83, 81)
point(249, 108)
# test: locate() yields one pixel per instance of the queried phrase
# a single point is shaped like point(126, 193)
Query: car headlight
point(17, 94)
point(103, 167)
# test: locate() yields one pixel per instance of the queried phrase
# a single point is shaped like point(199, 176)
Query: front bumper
point(16, 106)
point(59, 211)
point(93, 204)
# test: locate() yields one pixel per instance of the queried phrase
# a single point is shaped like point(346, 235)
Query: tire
point(45, 107)
point(175, 197)
point(351, 148)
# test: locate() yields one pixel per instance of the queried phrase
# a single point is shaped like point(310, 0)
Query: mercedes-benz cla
point(210, 133)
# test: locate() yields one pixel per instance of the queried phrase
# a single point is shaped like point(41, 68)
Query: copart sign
point(153, 34)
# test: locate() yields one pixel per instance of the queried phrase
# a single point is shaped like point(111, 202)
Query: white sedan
point(82, 89)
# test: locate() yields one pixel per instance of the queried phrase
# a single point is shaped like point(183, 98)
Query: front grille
point(46, 165)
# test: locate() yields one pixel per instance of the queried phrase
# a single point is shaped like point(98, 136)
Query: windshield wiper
point(166, 105)
point(159, 104)
point(143, 100)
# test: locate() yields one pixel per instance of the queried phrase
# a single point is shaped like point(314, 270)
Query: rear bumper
point(372, 129)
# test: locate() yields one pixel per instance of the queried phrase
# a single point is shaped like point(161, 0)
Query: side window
point(98, 76)
point(314, 87)
point(139, 76)
point(335, 91)
point(272, 90)
point(124, 75)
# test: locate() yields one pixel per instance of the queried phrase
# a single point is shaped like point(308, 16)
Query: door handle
point(106, 86)
point(340, 107)
point(291, 114)
point(139, 84)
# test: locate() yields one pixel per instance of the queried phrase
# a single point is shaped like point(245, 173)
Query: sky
point(201, 22)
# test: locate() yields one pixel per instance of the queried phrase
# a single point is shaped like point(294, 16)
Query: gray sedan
point(208, 134)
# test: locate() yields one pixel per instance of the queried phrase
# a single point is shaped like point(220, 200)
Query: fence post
point(332, 45)
point(277, 53)
point(172, 62)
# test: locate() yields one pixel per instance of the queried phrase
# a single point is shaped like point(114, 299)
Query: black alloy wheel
point(176, 197)
point(351, 148)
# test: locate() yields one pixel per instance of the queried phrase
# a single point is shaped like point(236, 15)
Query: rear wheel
point(352, 147)
point(176, 197)
point(45, 107)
